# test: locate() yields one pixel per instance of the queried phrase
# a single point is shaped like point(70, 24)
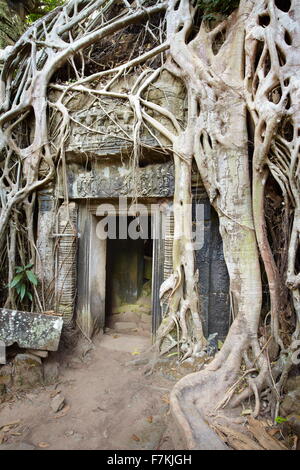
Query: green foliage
point(44, 7)
point(23, 281)
point(280, 420)
point(212, 7)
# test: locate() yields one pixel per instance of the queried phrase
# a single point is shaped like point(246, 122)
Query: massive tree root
point(270, 94)
point(242, 130)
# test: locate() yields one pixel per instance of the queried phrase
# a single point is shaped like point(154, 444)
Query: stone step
point(125, 317)
point(125, 326)
point(126, 343)
point(134, 308)
point(146, 318)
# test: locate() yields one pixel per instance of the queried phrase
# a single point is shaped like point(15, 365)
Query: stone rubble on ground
point(6, 375)
point(57, 402)
point(27, 371)
point(38, 352)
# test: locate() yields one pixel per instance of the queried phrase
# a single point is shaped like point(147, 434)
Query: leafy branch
point(212, 7)
point(43, 7)
point(23, 281)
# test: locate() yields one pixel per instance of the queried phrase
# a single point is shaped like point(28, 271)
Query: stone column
point(45, 247)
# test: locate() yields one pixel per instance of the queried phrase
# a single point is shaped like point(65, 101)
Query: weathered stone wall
point(99, 169)
point(106, 128)
point(111, 180)
point(11, 26)
point(213, 276)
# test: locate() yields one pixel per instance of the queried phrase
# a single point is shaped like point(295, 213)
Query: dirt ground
point(108, 404)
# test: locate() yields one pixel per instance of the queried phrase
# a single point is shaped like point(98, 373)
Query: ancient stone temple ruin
point(91, 278)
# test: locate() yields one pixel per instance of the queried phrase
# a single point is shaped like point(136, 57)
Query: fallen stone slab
point(30, 330)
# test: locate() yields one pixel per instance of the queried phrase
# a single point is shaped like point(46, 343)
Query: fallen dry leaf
point(295, 442)
point(257, 428)
point(43, 445)
point(134, 437)
point(237, 440)
point(165, 398)
point(10, 425)
point(54, 393)
point(246, 412)
point(135, 353)
point(5, 429)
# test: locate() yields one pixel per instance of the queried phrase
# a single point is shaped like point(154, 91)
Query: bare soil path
point(108, 404)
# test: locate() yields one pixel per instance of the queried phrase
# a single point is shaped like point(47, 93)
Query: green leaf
point(19, 269)
point(28, 266)
point(209, 17)
point(172, 354)
point(16, 280)
point(22, 291)
point(32, 277)
point(18, 288)
point(29, 295)
point(280, 420)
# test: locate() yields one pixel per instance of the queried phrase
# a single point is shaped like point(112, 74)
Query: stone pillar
point(219, 303)
point(66, 260)
point(158, 234)
point(45, 247)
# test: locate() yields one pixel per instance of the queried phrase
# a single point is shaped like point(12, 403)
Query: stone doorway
point(128, 290)
point(97, 283)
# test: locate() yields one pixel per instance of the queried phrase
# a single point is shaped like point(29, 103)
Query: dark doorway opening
point(129, 272)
